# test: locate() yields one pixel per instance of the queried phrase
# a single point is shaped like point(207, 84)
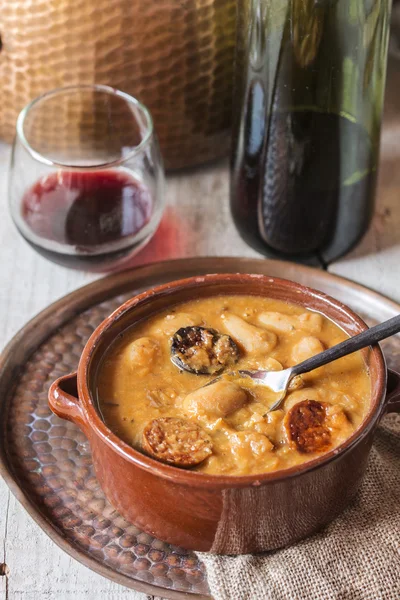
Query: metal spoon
point(278, 381)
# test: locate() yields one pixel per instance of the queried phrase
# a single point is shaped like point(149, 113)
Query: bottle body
point(308, 103)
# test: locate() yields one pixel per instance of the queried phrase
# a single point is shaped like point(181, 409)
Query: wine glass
point(86, 176)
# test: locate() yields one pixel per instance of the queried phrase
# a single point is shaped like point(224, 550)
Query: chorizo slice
point(203, 351)
point(306, 427)
point(178, 442)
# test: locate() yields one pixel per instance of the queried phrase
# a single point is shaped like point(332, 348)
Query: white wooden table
point(197, 201)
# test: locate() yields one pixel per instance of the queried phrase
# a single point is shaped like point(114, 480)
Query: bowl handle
point(64, 401)
point(393, 392)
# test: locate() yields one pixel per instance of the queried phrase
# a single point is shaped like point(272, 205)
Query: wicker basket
point(176, 56)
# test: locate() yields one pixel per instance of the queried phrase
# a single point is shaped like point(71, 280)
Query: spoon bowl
point(276, 381)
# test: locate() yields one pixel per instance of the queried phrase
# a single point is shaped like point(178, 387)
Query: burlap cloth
point(357, 557)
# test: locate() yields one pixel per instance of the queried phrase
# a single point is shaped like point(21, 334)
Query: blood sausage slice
point(203, 351)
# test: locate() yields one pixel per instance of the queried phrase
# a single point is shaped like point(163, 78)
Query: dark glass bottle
point(307, 112)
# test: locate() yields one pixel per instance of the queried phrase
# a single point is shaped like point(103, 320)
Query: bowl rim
point(186, 477)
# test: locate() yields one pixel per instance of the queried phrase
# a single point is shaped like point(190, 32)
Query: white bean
point(278, 321)
point(300, 395)
point(143, 352)
point(281, 323)
point(252, 338)
point(218, 399)
point(305, 348)
point(311, 322)
point(271, 364)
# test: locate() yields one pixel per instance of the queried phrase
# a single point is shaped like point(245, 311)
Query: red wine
point(294, 197)
point(93, 217)
point(309, 89)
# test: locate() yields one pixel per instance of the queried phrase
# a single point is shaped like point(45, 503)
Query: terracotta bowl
point(223, 514)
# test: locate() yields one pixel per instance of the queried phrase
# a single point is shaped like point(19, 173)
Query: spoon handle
point(362, 340)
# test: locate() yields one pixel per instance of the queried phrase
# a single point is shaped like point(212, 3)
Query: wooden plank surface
point(196, 222)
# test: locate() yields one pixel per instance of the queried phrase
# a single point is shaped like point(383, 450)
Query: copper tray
point(46, 461)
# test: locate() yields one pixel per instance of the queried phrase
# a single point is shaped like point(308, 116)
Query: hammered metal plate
point(46, 461)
